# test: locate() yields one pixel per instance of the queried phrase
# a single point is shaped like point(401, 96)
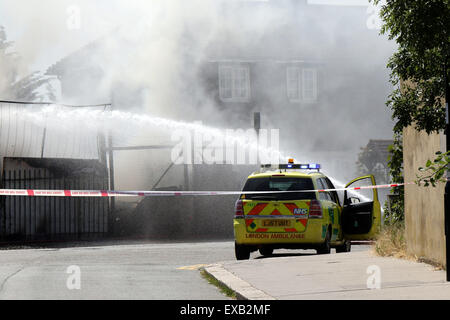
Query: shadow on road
point(57, 244)
point(280, 255)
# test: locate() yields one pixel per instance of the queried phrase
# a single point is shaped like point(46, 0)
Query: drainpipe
point(257, 127)
point(447, 185)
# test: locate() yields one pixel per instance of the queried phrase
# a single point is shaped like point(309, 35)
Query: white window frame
point(297, 90)
point(237, 83)
point(293, 84)
point(313, 82)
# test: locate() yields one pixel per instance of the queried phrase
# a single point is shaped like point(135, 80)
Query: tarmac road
point(170, 271)
point(167, 271)
point(121, 270)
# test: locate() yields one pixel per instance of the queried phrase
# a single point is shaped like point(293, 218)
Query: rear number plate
point(276, 223)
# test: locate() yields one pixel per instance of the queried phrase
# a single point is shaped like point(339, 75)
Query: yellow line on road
point(194, 267)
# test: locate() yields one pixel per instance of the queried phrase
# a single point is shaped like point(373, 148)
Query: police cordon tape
point(106, 193)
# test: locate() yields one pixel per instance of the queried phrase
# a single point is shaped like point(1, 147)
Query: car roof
point(287, 174)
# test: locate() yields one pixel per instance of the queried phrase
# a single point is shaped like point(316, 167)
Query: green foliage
point(395, 212)
point(435, 170)
point(421, 29)
point(395, 161)
point(223, 288)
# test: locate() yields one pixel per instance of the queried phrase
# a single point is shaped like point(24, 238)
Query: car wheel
point(346, 247)
point(265, 251)
point(325, 248)
point(241, 251)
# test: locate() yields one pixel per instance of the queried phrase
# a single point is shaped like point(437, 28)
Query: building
point(37, 152)
point(315, 72)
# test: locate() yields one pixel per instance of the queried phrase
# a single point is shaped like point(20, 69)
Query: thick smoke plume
point(151, 57)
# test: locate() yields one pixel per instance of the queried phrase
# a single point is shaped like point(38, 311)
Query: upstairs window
point(302, 84)
point(234, 83)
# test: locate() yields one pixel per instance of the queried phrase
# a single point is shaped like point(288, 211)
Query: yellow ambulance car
point(290, 208)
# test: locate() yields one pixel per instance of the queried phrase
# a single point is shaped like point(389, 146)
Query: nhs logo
point(300, 211)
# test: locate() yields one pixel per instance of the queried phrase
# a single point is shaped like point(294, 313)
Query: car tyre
point(346, 247)
point(241, 251)
point(265, 251)
point(325, 248)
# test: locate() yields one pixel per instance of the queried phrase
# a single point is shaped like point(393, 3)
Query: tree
point(421, 29)
point(12, 86)
point(373, 160)
point(419, 67)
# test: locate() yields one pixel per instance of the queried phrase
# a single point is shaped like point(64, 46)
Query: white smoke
point(158, 48)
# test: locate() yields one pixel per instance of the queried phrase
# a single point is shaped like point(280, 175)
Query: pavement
point(357, 275)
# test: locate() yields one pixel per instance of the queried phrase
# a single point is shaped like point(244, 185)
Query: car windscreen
point(280, 184)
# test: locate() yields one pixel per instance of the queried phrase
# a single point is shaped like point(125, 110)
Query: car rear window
point(280, 184)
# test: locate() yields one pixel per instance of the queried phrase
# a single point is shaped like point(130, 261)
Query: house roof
point(380, 146)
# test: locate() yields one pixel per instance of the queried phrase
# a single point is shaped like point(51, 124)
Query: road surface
point(167, 271)
point(123, 270)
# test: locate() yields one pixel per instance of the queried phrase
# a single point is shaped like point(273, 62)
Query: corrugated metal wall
point(37, 151)
point(24, 218)
point(26, 131)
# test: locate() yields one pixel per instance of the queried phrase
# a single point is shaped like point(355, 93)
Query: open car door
point(361, 215)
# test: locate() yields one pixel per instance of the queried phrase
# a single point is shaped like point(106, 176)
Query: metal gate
point(46, 218)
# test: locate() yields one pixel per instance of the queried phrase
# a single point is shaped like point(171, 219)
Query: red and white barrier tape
point(105, 193)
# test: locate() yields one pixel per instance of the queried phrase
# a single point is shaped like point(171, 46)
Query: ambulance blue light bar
point(308, 166)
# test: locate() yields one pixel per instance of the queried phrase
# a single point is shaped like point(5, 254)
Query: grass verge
point(391, 242)
point(224, 289)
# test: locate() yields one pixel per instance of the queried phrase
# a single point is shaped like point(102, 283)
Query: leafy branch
point(434, 171)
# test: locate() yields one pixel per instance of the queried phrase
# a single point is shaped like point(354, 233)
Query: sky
point(45, 31)
point(340, 2)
